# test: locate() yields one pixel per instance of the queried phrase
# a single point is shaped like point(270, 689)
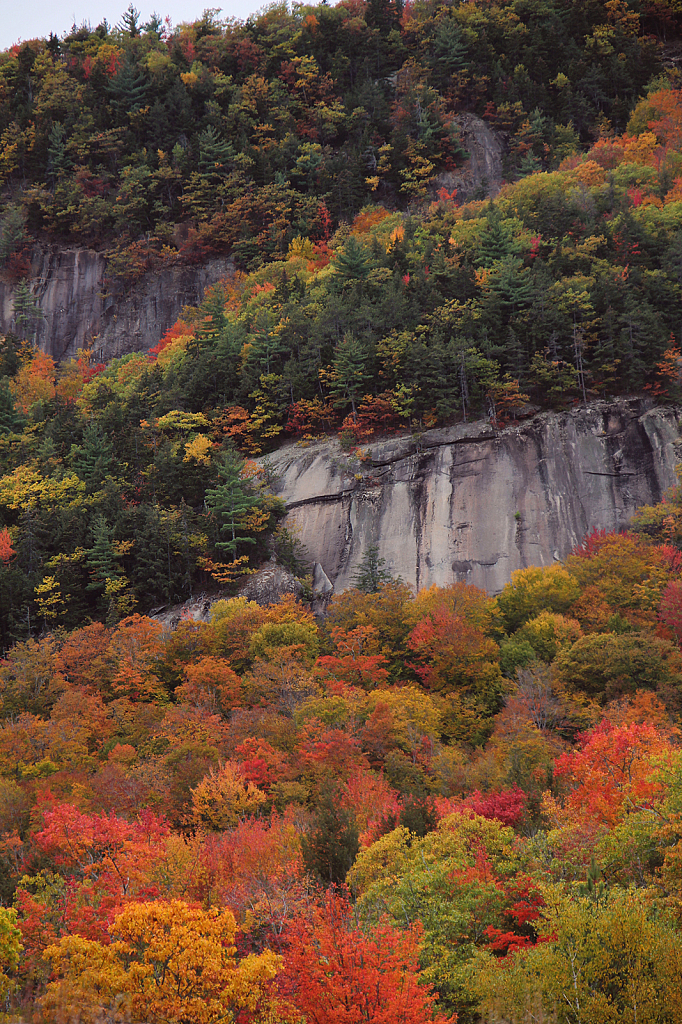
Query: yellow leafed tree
point(223, 797)
point(167, 962)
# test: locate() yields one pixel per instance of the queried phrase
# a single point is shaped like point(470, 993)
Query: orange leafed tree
point(352, 662)
point(7, 552)
point(210, 683)
point(255, 869)
point(612, 771)
point(336, 974)
point(35, 382)
point(81, 657)
point(449, 641)
point(106, 851)
point(134, 646)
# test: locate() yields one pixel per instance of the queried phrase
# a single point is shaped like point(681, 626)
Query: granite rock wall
point(471, 503)
point(81, 309)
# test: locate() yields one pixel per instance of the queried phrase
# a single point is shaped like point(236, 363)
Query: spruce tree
point(370, 574)
point(101, 560)
point(229, 501)
point(350, 371)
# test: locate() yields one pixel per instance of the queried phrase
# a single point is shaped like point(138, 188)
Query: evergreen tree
point(92, 459)
point(101, 557)
point(215, 153)
point(155, 576)
point(353, 263)
point(56, 152)
point(350, 373)
point(128, 88)
point(498, 241)
point(26, 311)
point(229, 502)
point(370, 574)
point(130, 21)
point(12, 232)
point(266, 347)
point(449, 52)
point(8, 417)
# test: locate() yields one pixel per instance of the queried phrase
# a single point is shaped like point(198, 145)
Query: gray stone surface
point(82, 311)
point(481, 173)
point(469, 503)
point(322, 589)
point(269, 584)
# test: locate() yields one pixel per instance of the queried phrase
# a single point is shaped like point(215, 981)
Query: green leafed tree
point(350, 371)
point(101, 560)
point(229, 502)
point(371, 574)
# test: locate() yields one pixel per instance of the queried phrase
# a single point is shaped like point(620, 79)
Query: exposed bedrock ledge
point(81, 312)
point(469, 503)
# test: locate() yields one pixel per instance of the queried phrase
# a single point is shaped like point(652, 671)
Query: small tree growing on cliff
point(26, 312)
point(370, 574)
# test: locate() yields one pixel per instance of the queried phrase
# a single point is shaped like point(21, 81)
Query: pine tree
point(152, 577)
point(229, 502)
point(56, 152)
point(449, 52)
point(215, 153)
point(128, 88)
point(26, 311)
point(130, 22)
point(12, 232)
point(101, 560)
point(497, 241)
point(8, 417)
point(349, 375)
point(370, 574)
point(92, 459)
point(353, 263)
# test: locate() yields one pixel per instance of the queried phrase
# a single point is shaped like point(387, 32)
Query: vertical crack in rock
point(419, 498)
point(346, 551)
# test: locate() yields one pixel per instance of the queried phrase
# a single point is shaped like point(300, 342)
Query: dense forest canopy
point(427, 806)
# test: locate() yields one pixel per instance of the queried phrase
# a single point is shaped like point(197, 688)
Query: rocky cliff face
point(469, 503)
point(481, 174)
point(80, 311)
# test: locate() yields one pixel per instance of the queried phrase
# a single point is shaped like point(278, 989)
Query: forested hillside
point(430, 806)
point(314, 148)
